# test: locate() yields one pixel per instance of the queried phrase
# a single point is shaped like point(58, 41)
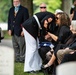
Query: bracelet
point(48, 64)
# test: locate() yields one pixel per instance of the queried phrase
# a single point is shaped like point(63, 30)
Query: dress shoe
point(32, 72)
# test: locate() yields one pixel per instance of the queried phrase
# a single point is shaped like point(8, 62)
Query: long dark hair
point(64, 19)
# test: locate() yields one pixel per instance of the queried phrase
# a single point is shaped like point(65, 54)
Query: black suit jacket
point(15, 22)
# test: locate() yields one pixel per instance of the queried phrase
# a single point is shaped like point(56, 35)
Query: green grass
point(19, 70)
point(19, 67)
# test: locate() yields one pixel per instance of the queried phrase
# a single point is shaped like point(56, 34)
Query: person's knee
point(59, 53)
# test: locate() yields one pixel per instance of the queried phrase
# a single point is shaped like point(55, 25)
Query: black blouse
point(63, 33)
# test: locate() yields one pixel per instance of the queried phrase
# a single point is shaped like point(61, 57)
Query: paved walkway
point(6, 57)
point(6, 42)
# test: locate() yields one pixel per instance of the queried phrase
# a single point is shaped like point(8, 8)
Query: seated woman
point(63, 20)
point(31, 27)
point(71, 47)
point(46, 44)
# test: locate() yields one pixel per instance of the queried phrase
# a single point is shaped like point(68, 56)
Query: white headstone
point(66, 69)
point(73, 23)
point(6, 61)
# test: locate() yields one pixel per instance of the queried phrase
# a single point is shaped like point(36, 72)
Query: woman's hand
point(49, 33)
point(54, 37)
point(45, 24)
point(47, 36)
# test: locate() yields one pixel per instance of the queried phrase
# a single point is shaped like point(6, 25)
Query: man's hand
point(22, 33)
point(9, 32)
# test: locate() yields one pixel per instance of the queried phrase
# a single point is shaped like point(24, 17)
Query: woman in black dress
point(31, 33)
point(63, 20)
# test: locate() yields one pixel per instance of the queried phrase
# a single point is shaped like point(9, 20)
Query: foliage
point(52, 5)
point(4, 8)
point(5, 5)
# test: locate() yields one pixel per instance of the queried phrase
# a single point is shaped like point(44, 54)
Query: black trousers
point(19, 48)
point(42, 52)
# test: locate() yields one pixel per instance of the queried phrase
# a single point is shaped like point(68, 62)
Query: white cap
point(58, 10)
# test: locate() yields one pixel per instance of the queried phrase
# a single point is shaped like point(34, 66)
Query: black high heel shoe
point(46, 70)
point(43, 67)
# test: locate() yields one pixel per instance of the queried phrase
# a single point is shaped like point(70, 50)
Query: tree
point(33, 6)
point(4, 8)
point(29, 5)
point(66, 6)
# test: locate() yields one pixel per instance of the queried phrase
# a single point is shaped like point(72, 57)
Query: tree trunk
point(28, 4)
point(66, 6)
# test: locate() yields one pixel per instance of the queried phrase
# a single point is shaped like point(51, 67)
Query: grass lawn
point(6, 36)
point(19, 67)
point(19, 70)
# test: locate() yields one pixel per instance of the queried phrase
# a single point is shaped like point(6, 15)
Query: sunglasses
point(42, 7)
point(57, 18)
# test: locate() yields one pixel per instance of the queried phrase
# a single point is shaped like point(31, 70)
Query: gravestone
point(6, 61)
point(68, 68)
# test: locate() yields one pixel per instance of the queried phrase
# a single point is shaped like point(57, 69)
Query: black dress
point(51, 28)
point(63, 33)
point(30, 28)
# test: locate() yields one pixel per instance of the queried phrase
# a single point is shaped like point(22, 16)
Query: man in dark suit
point(17, 15)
